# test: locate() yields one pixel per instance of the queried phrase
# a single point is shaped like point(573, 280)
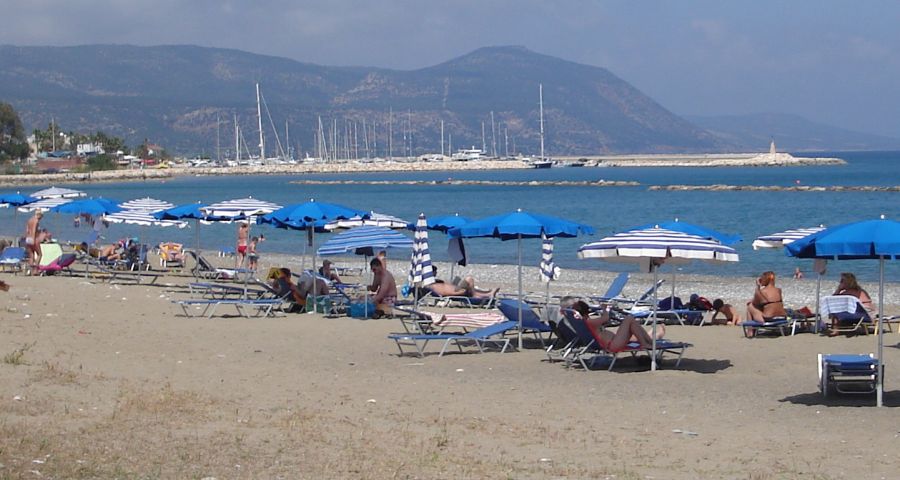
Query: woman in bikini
point(767, 302)
point(616, 341)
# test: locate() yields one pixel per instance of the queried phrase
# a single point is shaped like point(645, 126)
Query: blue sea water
point(607, 209)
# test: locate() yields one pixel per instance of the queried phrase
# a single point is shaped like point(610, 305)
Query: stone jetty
point(778, 188)
point(491, 183)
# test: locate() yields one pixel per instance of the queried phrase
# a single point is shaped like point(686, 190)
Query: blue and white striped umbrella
point(58, 192)
point(653, 245)
point(657, 243)
point(143, 218)
point(147, 204)
point(44, 204)
point(372, 219)
point(549, 270)
point(420, 271)
point(239, 208)
point(364, 240)
point(786, 237)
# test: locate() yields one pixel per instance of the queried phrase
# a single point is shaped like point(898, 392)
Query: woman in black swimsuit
point(767, 302)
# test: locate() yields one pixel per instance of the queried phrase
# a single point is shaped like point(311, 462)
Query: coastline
point(353, 166)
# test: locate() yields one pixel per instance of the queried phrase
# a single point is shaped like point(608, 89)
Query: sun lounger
point(481, 338)
point(60, 264)
point(752, 328)
point(847, 373)
point(208, 290)
point(12, 258)
point(268, 307)
point(614, 291)
point(589, 338)
point(455, 301)
point(531, 321)
point(848, 311)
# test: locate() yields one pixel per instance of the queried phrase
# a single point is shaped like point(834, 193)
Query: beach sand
point(104, 381)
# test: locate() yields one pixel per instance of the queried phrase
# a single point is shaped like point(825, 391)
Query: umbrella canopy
point(301, 215)
point(364, 239)
point(147, 204)
point(16, 199)
point(442, 224)
point(658, 243)
point(371, 219)
point(868, 239)
point(93, 206)
point(691, 229)
point(239, 208)
point(58, 192)
point(780, 239)
point(190, 210)
point(520, 224)
point(143, 218)
point(516, 226)
point(654, 245)
point(44, 204)
point(420, 271)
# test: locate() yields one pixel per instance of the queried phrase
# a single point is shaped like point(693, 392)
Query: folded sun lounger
point(847, 373)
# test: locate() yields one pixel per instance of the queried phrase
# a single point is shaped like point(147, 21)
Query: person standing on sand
point(252, 256)
point(243, 234)
point(32, 243)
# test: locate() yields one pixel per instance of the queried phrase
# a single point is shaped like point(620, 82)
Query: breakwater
point(777, 188)
point(497, 183)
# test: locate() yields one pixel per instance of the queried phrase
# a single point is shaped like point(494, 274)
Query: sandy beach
point(111, 381)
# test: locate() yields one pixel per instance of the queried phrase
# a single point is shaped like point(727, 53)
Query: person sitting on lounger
point(327, 272)
point(729, 314)
point(767, 302)
point(385, 288)
point(850, 286)
point(628, 331)
point(284, 286)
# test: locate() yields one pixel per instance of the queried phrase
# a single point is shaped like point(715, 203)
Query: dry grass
point(17, 356)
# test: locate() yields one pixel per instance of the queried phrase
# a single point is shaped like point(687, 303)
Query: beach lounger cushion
point(490, 335)
point(843, 373)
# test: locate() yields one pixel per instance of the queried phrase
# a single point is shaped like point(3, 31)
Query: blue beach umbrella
point(181, 212)
point(16, 199)
point(654, 246)
point(92, 206)
point(421, 273)
point(516, 226)
point(865, 240)
point(691, 229)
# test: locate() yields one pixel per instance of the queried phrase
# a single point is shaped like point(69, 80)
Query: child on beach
point(252, 256)
point(730, 315)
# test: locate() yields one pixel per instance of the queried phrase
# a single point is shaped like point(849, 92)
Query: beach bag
point(699, 303)
point(362, 310)
point(671, 303)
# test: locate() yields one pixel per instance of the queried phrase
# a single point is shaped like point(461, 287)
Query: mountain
point(175, 95)
point(790, 132)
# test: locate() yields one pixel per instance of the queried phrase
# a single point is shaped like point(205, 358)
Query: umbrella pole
point(818, 299)
point(313, 266)
point(519, 248)
point(879, 385)
point(655, 307)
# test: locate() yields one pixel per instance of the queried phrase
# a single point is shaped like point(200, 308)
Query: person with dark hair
point(4, 286)
point(328, 272)
point(730, 315)
point(385, 288)
point(767, 302)
point(616, 341)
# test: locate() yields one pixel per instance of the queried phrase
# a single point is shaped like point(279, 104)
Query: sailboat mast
point(442, 138)
point(287, 140)
point(262, 141)
point(541, 96)
point(493, 137)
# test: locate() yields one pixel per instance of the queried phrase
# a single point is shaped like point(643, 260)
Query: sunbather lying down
point(463, 288)
point(629, 330)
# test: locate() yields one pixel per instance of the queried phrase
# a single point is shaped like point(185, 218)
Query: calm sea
point(608, 210)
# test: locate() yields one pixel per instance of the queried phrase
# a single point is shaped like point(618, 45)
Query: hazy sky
point(833, 61)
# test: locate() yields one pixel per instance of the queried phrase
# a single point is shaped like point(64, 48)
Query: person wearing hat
point(328, 273)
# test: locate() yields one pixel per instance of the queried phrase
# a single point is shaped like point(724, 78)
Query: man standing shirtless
point(32, 242)
point(242, 235)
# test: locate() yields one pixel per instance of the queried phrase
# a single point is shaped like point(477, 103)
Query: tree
point(101, 162)
point(12, 134)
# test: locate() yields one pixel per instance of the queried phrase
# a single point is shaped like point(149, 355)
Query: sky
point(831, 61)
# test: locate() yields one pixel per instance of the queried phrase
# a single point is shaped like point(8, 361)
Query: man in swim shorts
point(32, 243)
point(242, 235)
